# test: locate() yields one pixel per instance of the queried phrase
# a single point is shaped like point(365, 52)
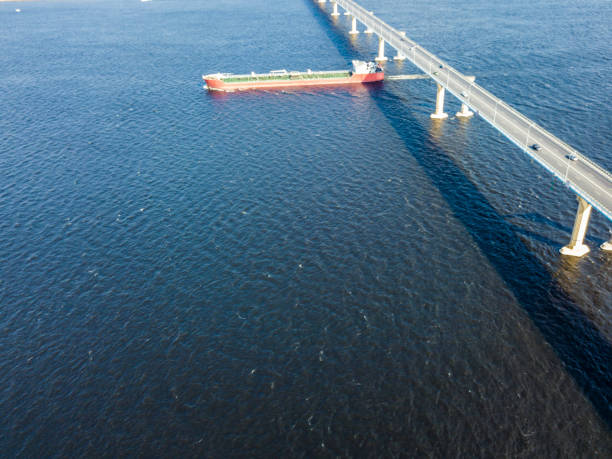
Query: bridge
point(591, 183)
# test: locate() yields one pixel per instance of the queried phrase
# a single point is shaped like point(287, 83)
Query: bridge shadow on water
point(585, 352)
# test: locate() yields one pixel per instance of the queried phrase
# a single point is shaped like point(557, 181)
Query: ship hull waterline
point(215, 84)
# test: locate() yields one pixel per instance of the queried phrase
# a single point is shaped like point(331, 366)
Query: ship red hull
point(220, 85)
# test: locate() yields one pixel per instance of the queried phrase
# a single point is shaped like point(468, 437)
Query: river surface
point(302, 273)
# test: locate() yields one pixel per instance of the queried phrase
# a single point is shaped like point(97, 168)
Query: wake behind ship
point(363, 72)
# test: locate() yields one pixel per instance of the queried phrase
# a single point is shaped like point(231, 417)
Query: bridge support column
point(607, 246)
point(381, 51)
point(322, 1)
point(335, 12)
point(439, 114)
point(354, 30)
point(465, 111)
point(368, 30)
point(576, 247)
point(347, 13)
point(400, 56)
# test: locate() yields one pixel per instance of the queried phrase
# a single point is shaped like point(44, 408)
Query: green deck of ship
point(287, 76)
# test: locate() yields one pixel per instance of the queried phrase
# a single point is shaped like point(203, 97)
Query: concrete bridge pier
point(439, 113)
point(400, 56)
point(354, 30)
point(368, 30)
point(381, 51)
point(465, 111)
point(335, 12)
point(576, 247)
point(607, 246)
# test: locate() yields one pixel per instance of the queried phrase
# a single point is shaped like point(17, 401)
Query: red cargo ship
point(363, 72)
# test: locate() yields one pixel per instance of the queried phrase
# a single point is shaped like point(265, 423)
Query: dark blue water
point(321, 272)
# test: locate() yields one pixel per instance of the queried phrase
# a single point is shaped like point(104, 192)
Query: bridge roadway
point(587, 179)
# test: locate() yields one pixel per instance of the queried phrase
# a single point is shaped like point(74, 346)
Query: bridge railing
point(517, 127)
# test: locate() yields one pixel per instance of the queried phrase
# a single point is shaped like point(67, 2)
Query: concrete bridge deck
point(588, 180)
